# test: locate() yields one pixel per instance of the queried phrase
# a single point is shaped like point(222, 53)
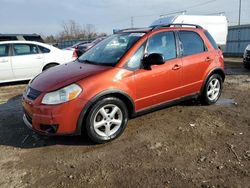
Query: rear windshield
point(7, 38)
point(211, 40)
point(33, 38)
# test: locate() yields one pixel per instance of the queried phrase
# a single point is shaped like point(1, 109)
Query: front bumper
point(25, 120)
point(63, 116)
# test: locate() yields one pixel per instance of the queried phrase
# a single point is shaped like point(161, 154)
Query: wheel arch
point(123, 96)
point(48, 64)
point(218, 71)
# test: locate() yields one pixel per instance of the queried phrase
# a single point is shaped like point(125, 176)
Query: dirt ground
point(187, 145)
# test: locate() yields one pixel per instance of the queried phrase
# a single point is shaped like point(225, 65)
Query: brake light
point(74, 56)
point(220, 53)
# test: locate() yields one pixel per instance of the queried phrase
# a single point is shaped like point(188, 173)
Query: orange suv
point(129, 73)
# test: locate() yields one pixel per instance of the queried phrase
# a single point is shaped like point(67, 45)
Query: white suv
point(23, 60)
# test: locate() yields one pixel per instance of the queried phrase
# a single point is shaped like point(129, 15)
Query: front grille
point(248, 52)
point(32, 93)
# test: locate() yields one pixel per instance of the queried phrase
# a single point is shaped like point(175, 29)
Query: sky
point(47, 16)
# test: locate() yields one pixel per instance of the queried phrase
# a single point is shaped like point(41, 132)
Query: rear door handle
point(208, 59)
point(39, 57)
point(176, 67)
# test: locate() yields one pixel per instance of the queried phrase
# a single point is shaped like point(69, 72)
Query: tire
point(212, 90)
point(49, 66)
point(246, 66)
point(106, 120)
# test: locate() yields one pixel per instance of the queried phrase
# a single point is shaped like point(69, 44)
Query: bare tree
point(50, 39)
point(90, 31)
point(72, 30)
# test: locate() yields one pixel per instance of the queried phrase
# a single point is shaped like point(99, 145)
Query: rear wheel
point(106, 120)
point(212, 90)
point(246, 66)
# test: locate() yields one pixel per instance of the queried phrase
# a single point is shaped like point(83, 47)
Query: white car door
point(27, 62)
point(6, 73)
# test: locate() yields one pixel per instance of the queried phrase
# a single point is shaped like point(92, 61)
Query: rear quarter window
point(43, 49)
point(211, 40)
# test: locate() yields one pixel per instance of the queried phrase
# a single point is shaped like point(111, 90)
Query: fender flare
point(219, 71)
point(110, 92)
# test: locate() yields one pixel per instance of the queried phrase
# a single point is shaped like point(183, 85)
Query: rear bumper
point(246, 62)
point(63, 117)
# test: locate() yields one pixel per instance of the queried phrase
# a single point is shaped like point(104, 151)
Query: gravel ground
point(187, 145)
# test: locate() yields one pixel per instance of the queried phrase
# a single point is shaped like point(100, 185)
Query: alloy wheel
point(213, 90)
point(108, 120)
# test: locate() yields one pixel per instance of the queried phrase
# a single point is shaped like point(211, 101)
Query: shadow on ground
point(15, 133)
point(235, 67)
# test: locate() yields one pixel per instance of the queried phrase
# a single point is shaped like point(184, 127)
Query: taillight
point(74, 56)
point(220, 53)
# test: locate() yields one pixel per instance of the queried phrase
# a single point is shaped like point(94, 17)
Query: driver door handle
point(176, 67)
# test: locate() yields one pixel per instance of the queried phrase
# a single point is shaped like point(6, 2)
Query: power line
point(184, 10)
point(132, 22)
point(179, 10)
point(200, 4)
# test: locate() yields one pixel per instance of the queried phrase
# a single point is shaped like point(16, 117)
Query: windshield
point(110, 50)
point(248, 47)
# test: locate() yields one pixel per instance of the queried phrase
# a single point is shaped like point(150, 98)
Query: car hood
point(63, 75)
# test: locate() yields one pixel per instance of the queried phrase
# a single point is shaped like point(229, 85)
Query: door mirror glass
point(153, 59)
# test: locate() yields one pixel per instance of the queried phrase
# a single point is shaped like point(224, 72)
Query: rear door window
point(25, 49)
point(4, 50)
point(163, 43)
point(191, 43)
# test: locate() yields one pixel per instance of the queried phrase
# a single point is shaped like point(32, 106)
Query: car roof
point(21, 41)
point(35, 35)
point(27, 42)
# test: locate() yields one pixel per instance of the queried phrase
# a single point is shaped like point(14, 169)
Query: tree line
point(71, 30)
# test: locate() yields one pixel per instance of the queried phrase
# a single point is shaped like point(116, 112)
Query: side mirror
point(153, 59)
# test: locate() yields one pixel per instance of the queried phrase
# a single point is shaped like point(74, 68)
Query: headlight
point(65, 94)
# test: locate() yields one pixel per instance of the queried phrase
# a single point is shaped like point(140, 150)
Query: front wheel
point(212, 90)
point(106, 120)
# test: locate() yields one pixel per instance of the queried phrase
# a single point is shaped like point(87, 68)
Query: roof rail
point(176, 24)
point(142, 30)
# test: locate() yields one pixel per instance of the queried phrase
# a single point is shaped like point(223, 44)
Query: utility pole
point(239, 12)
point(132, 22)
